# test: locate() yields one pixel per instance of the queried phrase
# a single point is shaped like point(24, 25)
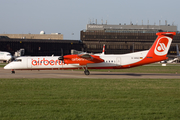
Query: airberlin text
point(46, 62)
point(81, 59)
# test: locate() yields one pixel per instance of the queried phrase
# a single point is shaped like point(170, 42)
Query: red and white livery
point(85, 61)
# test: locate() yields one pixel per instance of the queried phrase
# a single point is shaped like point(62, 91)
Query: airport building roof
point(35, 36)
point(131, 28)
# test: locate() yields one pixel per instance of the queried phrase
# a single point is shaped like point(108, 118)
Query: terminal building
point(39, 47)
point(120, 39)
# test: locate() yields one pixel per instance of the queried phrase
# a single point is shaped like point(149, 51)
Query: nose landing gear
point(12, 71)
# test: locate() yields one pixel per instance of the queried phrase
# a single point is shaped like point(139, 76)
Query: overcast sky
point(69, 17)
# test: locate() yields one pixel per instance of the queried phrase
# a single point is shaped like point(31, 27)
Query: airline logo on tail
point(162, 46)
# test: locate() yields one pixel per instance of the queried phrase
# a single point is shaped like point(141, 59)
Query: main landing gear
point(86, 71)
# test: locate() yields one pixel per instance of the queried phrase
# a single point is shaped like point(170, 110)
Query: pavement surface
point(80, 74)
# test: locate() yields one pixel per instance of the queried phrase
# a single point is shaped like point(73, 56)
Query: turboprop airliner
point(5, 56)
point(86, 61)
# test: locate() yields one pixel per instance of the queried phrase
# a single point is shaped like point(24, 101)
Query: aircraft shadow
point(136, 74)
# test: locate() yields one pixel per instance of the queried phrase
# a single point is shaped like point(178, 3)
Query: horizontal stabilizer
point(166, 33)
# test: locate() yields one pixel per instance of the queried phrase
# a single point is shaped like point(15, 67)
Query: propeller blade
point(62, 52)
point(62, 56)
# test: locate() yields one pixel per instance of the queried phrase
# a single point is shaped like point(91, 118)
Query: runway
point(80, 74)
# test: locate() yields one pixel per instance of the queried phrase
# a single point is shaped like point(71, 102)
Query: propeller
point(62, 56)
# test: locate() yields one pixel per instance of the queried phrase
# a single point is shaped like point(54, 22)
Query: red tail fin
point(161, 46)
point(159, 49)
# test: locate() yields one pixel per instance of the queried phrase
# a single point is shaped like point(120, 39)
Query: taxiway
point(80, 74)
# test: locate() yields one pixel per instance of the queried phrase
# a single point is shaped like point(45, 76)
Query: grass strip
point(80, 99)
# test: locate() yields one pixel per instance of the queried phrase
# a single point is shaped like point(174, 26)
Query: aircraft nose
point(7, 66)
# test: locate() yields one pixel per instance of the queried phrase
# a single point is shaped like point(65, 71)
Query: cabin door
point(118, 61)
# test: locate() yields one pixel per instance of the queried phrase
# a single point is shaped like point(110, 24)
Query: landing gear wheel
point(13, 72)
point(86, 72)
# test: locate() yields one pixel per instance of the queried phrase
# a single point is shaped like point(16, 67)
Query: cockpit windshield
point(17, 60)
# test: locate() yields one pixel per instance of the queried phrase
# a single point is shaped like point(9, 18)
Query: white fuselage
point(52, 62)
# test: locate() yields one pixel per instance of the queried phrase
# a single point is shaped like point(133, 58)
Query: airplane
point(176, 58)
point(177, 50)
point(5, 56)
point(156, 53)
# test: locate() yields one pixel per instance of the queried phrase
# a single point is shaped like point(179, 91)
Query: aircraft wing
point(90, 59)
point(82, 59)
